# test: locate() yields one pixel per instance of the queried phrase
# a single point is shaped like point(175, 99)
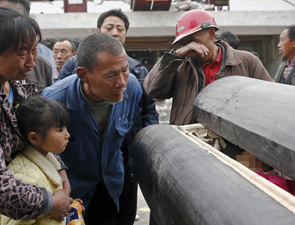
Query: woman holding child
point(18, 50)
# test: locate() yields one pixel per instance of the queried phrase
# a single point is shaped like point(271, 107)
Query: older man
point(286, 71)
point(182, 73)
point(63, 49)
point(115, 23)
point(101, 102)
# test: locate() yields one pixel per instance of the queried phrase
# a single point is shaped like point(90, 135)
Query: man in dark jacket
point(116, 24)
point(198, 61)
point(286, 71)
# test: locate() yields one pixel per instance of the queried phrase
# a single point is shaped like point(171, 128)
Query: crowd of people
point(67, 129)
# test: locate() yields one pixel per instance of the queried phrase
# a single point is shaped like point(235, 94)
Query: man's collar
point(288, 63)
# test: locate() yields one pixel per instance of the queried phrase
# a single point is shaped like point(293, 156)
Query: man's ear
point(81, 72)
point(212, 32)
point(33, 138)
point(97, 30)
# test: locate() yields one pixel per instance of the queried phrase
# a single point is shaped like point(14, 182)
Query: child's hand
point(81, 202)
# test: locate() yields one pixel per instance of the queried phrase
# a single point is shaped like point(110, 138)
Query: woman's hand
point(61, 205)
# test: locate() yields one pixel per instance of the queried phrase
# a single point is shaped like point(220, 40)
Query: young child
point(43, 123)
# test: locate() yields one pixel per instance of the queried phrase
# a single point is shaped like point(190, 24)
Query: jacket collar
point(76, 102)
point(229, 55)
point(49, 164)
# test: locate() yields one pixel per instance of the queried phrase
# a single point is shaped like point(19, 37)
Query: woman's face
point(17, 64)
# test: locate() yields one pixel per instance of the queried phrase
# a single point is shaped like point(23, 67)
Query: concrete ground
point(142, 210)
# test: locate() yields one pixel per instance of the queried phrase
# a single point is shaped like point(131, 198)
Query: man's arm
point(159, 81)
point(149, 114)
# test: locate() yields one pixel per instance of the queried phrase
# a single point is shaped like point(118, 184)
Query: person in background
point(115, 23)
point(63, 49)
point(101, 100)
point(43, 123)
point(18, 51)
point(232, 39)
point(41, 75)
point(286, 46)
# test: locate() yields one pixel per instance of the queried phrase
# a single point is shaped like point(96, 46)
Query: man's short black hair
point(95, 44)
point(230, 38)
point(113, 12)
point(291, 32)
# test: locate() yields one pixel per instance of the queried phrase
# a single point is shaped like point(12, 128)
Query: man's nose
point(121, 82)
point(59, 54)
point(280, 44)
point(115, 32)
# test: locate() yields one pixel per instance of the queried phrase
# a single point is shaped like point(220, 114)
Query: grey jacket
point(41, 75)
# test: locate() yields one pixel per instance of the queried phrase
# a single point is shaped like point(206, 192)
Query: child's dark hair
point(38, 114)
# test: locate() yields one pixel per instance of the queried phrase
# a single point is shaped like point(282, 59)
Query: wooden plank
point(184, 183)
point(256, 115)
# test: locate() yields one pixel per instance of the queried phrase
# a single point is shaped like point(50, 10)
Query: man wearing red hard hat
point(182, 73)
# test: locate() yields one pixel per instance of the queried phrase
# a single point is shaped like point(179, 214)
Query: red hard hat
point(193, 21)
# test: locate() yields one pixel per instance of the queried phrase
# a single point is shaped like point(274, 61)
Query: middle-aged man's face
point(62, 51)
point(17, 65)
point(107, 81)
point(115, 27)
point(203, 37)
point(286, 46)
